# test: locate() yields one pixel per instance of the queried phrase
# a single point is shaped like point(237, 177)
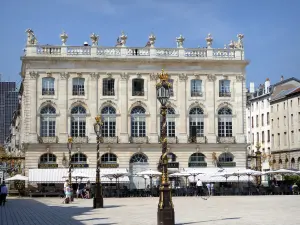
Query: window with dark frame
point(109, 121)
point(108, 87)
point(196, 88)
point(78, 158)
point(48, 86)
point(225, 122)
point(78, 122)
point(196, 117)
point(109, 158)
point(138, 122)
point(48, 121)
point(226, 157)
point(78, 86)
point(138, 87)
point(47, 158)
point(197, 157)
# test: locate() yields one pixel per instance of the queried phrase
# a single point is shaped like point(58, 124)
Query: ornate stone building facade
point(65, 87)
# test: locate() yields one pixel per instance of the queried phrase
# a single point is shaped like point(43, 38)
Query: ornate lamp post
point(98, 198)
point(258, 162)
point(70, 146)
point(165, 212)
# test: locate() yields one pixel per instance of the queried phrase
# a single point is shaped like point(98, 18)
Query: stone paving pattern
point(227, 210)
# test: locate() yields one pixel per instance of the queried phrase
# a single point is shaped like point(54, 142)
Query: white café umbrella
point(194, 173)
point(150, 173)
point(224, 174)
point(246, 172)
point(181, 174)
point(281, 171)
point(116, 174)
point(17, 177)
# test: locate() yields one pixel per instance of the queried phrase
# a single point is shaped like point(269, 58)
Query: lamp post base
point(98, 202)
point(165, 216)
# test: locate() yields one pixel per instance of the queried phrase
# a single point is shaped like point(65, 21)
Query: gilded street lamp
point(70, 146)
point(165, 211)
point(98, 198)
point(258, 162)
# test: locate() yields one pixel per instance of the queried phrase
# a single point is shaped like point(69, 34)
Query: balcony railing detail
point(138, 140)
point(226, 140)
point(196, 94)
point(198, 140)
point(138, 93)
point(48, 140)
point(170, 140)
point(123, 52)
point(198, 164)
point(80, 139)
point(109, 140)
point(227, 164)
point(224, 94)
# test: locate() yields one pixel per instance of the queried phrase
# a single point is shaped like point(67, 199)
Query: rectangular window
point(196, 88)
point(284, 120)
point(108, 87)
point(284, 105)
point(292, 119)
point(257, 122)
point(262, 119)
point(278, 139)
point(272, 124)
point(263, 137)
point(171, 81)
point(292, 137)
point(262, 104)
point(252, 139)
point(224, 88)
point(278, 122)
point(138, 87)
point(48, 86)
point(196, 126)
point(298, 101)
point(273, 142)
point(252, 122)
point(277, 107)
point(268, 118)
point(285, 139)
point(298, 117)
point(271, 109)
point(291, 103)
point(78, 86)
point(268, 133)
point(257, 137)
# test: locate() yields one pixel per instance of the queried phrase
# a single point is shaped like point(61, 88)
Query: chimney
point(252, 89)
point(267, 85)
point(281, 78)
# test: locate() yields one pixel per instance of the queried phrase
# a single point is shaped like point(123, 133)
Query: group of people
point(3, 193)
point(200, 190)
point(82, 191)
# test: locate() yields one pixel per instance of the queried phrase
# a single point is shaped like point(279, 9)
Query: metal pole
point(70, 145)
point(165, 213)
point(98, 199)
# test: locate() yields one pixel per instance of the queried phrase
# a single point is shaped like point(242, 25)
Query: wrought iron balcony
point(170, 140)
point(109, 140)
point(80, 139)
point(198, 140)
point(224, 94)
point(226, 140)
point(227, 164)
point(138, 140)
point(49, 140)
point(196, 94)
point(138, 93)
point(48, 91)
point(108, 92)
point(198, 164)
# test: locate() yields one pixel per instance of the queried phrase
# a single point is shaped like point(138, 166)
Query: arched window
point(196, 122)
point(78, 121)
point(197, 157)
point(171, 157)
point(226, 157)
point(170, 122)
point(48, 86)
point(293, 165)
point(48, 118)
point(109, 121)
point(138, 122)
point(139, 158)
point(109, 158)
point(78, 158)
point(47, 158)
point(225, 122)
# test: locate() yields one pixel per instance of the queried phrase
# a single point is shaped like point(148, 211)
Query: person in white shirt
point(199, 187)
point(3, 194)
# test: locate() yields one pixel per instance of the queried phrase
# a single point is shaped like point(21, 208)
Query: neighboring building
point(258, 123)
point(65, 87)
point(285, 124)
point(8, 104)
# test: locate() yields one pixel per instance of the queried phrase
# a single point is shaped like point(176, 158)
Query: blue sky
point(271, 28)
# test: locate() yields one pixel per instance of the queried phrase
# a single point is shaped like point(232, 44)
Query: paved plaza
point(227, 210)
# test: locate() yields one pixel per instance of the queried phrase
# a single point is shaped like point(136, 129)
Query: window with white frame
point(224, 88)
point(196, 117)
point(171, 127)
point(109, 121)
point(138, 122)
point(197, 157)
point(225, 122)
point(196, 88)
point(108, 87)
point(78, 86)
point(139, 158)
point(108, 158)
point(48, 121)
point(226, 157)
point(47, 158)
point(48, 86)
point(78, 158)
point(78, 121)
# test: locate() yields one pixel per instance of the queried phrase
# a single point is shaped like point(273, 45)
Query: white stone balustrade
point(133, 52)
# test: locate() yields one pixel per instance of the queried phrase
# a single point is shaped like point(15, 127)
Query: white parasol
point(17, 177)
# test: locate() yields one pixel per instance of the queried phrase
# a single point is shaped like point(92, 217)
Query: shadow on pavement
point(112, 206)
point(206, 221)
point(32, 212)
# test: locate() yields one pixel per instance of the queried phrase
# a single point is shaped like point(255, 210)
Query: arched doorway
point(138, 163)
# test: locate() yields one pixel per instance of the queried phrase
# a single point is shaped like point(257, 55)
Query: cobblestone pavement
point(241, 210)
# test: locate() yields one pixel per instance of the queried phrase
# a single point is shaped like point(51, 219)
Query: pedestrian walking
point(3, 194)
point(208, 188)
point(212, 188)
point(199, 187)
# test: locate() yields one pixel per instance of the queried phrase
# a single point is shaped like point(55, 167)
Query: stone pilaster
point(32, 104)
point(63, 106)
point(211, 120)
point(123, 91)
point(153, 132)
point(182, 108)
